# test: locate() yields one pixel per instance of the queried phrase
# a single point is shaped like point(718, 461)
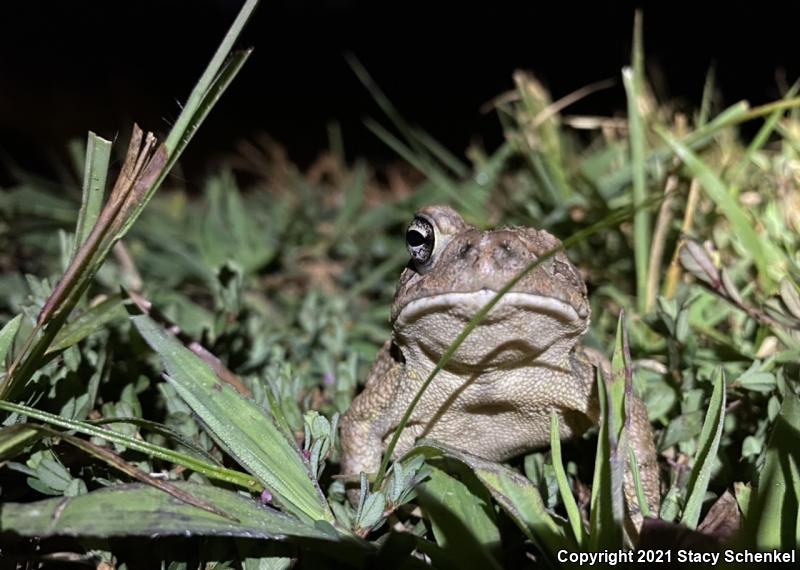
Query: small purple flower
point(307, 454)
point(329, 378)
point(266, 497)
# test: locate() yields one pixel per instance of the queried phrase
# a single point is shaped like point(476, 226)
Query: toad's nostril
point(504, 252)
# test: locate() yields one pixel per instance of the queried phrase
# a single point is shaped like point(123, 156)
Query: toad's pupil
point(415, 238)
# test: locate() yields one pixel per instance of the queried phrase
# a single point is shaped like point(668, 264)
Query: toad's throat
point(520, 328)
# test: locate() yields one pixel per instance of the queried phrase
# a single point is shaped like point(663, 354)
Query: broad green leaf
point(87, 323)
point(241, 426)
point(707, 447)
point(267, 563)
point(772, 513)
point(461, 516)
point(682, 428)
point(7, 334)
point(141, 510)
point(53, 474)
point(763, 382)
point(370, 513)
point(518, 497)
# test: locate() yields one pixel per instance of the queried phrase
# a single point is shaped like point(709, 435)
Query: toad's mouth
point(519, 327)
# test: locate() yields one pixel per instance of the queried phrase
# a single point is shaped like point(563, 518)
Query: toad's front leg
point(372, 416)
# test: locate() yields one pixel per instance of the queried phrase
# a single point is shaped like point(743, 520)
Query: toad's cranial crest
point(523, 360)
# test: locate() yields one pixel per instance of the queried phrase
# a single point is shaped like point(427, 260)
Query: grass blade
point(185, 125)
point(605, 521)
point(385, 104)
point(420, 148)
point(178, 140)
point(573, 513)
point(115, 461)
point(145, 168)
point(707, 446)
point(160, 429)
point(98, 154)
point(143, 163)
point(760, 140)
point(633, 79)
point(421, 163)
point(209, 470)
point(708, 93)
point(698, 138)
point(441, 152)
point(608, 510)
point(617, 384)
point(766, 258)
point(540, 120)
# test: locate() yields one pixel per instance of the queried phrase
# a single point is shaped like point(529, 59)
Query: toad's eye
point(420, 240)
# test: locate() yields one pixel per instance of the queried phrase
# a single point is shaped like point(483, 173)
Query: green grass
point(277, 296)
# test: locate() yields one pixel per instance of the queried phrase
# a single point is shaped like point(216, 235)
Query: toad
point(495, 395)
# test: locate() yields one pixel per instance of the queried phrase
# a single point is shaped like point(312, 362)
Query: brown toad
point(495, 395)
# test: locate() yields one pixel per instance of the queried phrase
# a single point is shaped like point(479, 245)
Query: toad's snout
point(491, 252)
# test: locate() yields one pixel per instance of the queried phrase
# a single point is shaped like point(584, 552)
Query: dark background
point(67, 67)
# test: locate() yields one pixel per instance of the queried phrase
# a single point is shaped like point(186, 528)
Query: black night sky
point(67, 67)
